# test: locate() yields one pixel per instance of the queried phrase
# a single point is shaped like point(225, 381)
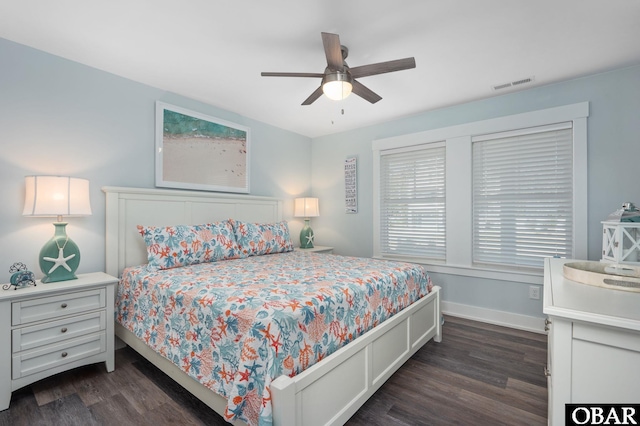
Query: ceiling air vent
point(513, 83)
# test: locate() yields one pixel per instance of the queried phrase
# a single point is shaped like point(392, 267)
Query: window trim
point(459, 195)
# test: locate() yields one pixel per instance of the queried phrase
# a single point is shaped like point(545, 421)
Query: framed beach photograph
point(197, 151)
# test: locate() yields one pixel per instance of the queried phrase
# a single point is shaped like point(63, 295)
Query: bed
point(328, 391)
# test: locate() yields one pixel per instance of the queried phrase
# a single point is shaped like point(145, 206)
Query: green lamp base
point(60, 256)
point(306, 236)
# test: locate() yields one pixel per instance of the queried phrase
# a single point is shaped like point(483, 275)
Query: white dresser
point(594, 343)
point(54, 327)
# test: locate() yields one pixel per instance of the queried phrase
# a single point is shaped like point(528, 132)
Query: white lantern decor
point(621, 236)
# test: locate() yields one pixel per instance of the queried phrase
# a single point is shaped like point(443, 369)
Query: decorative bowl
point(607, 275)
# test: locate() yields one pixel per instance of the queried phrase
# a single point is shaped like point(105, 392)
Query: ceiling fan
point(338, 80)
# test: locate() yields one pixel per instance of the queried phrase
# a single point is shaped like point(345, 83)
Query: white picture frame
point(201, 152)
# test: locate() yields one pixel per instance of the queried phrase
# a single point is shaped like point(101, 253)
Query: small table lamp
point(57, 196)
point(307, 208)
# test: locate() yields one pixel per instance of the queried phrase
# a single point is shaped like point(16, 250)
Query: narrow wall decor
point(196, 151)
point(351, 185)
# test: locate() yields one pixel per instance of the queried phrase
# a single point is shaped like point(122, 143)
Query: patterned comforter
point(236, 325)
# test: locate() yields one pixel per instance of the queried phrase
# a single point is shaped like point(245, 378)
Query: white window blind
point(523, 196)
point(412, 202)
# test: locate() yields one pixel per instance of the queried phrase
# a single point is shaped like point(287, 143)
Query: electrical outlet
point(534, 292)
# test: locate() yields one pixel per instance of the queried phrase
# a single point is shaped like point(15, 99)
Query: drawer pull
point(64, 354)
point(64, 305)
point(63, 330)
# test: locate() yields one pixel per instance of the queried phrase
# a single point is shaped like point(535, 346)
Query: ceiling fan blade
point(292, 74)
point(364, 92)
point(332, 50)
point(383, 67)
point(313, 97)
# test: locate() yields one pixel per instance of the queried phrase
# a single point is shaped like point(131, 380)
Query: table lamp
point(307, 208)
point(57, 196)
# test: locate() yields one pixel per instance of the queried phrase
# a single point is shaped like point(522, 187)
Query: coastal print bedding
point(256, 239)
point(183, 245)
point(235, 325)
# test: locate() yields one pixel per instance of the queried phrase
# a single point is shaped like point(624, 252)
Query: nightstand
point(317, 249)
point(54, 327)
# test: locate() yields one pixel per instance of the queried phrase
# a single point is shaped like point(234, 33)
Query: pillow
point(255, 239)
point(182, 245)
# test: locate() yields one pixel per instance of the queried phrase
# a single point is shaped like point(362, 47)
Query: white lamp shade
point(56, 196)
point(337, 90)
point(306, 207)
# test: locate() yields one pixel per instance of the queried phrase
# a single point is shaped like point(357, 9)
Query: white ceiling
point(214, 51)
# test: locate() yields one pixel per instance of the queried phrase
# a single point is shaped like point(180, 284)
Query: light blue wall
point(60, 117)
point(613, 165)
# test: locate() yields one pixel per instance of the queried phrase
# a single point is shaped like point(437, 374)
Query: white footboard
point(332, 391)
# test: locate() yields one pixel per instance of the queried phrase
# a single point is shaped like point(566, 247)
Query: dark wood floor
point(479, 375)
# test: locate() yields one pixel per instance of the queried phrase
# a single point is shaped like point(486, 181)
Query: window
point(523, 196)
point(412, 202)
point(487, 199)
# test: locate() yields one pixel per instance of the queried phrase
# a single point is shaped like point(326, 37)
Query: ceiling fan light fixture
point(337, 85)
point(338, 80)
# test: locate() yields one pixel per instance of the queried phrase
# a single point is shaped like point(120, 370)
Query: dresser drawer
point(34, 336)
point(32, 310)
point(47, 357)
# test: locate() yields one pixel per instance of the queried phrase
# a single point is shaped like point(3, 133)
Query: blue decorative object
point(306, 236)
point(21, 277)
point(627, 213)
point(59, 257)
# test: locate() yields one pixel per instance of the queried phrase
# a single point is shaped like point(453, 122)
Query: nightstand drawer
point(47, 357)
point(27, 311)
point(51, 332)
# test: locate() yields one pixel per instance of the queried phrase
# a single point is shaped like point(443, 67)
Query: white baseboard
point(506, 319)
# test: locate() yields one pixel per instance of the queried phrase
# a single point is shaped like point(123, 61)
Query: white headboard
point(129, 207)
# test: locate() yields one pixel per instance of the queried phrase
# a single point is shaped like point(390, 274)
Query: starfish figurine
point(60, 261)
point(310, 238)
